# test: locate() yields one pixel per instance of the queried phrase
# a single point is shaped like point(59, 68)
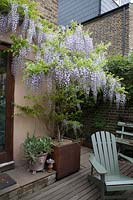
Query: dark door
point(6, 106)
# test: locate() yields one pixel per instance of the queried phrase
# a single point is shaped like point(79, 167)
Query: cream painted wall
point(23, 124)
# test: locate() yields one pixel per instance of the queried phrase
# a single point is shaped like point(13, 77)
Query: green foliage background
point(122, 66)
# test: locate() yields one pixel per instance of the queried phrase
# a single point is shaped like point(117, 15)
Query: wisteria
point(48, 54)
point(3, 23)
point(41, 36)
point(14, 17)
point(111, 89)
point(72, 57)
point(35, 81)
point(31, 31)
point(25, 23)
point(79, 42)
point(17, 64)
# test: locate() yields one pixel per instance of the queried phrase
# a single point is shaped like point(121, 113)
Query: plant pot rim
point(65, 142)
point(62, 143)
point(41, 155)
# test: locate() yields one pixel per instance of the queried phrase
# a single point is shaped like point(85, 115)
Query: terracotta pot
point(39, 164)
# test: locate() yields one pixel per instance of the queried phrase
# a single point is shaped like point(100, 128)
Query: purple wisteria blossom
point(40, 35)
point(3, 23)
point(111, 89)
point(31, 32)
point(25, 23)
point(79, 42)
point(35, 81)
point(14, 17)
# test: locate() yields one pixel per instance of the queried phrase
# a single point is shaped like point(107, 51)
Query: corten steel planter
point(67, 159)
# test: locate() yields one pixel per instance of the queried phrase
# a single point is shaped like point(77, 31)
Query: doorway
point(6, 106)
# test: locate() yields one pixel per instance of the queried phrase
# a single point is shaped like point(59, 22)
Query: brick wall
point(49, 9)
point(105, 117)
point(112, 27)
point(131, 26)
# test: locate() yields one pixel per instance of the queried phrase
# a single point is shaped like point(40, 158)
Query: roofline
point(104, 14)
point(115, 3)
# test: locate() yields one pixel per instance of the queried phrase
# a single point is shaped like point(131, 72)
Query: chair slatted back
point(104, 146)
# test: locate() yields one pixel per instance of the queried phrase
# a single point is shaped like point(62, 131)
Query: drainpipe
point(100, 4)
point(123, 30)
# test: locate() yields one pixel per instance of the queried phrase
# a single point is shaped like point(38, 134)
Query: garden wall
point(115, 26)
point(105, 117)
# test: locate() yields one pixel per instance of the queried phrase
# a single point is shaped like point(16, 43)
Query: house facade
point(114, 26)
point(111, 21)
point(82, 11)
point(14, 128)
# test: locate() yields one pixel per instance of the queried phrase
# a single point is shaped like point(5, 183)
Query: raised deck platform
point(26, 183)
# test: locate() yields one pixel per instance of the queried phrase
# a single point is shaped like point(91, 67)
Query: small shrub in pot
point(36, 150)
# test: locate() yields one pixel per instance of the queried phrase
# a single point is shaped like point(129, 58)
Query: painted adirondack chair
point(105, 162)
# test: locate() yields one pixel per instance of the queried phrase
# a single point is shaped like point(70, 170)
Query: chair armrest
point(126, 157)
point(98, 167)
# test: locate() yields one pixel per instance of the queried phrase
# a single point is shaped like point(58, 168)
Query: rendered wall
point(23, 125)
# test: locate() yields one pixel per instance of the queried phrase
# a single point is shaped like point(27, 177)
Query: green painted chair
point(105, 162)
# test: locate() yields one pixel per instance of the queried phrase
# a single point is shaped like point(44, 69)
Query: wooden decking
point(73, 187)
point(76, 186)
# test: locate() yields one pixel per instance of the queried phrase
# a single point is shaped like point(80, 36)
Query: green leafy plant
point(18, 43)
point(99, 124)
point(68, 112)
point(122, 66)
point(35, 146)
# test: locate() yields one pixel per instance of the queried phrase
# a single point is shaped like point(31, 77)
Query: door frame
point(7, 155)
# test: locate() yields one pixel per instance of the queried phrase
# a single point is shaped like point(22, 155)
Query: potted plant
point(36, 150)
point(66, 114)
point(67, 117)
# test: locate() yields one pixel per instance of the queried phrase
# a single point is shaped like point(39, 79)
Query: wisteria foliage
point(69, 54)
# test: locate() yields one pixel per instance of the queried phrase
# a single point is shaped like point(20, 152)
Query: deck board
point(77, 186)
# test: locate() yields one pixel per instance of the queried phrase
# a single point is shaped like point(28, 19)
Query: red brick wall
point(107, 115)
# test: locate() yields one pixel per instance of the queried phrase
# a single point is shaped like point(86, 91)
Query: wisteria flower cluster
point(10, 22)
